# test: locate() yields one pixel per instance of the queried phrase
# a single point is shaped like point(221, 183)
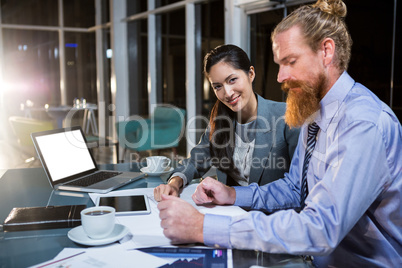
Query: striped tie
point(311, 139)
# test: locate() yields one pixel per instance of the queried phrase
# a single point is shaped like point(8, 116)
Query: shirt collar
point(330, 104)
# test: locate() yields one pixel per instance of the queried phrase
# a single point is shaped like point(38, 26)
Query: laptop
point(69, 164)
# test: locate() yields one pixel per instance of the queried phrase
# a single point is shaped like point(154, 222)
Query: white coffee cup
point(157, 164)
point(98, 222)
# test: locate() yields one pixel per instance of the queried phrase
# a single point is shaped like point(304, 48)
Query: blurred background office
point(127, 56)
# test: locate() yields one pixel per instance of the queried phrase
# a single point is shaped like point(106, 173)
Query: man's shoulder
point(362, 105)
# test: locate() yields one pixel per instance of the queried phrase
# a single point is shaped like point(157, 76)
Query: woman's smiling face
point(233, 87)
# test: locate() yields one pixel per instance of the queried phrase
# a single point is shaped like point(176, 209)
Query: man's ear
point(328, 49)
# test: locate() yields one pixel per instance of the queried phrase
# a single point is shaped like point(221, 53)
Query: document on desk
point(104, 257)
point(145, 229)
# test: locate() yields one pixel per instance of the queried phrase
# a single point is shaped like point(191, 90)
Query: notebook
point(69, 164)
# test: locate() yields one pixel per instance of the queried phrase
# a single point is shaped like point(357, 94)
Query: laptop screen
point(65, 154)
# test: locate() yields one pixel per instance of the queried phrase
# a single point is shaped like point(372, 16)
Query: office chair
point(162, 130)
point(22, 128)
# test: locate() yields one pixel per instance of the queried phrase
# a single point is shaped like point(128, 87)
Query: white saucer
point(145, 170)
point(78, 235)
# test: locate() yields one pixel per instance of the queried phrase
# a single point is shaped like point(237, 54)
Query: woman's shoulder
point(270, 106)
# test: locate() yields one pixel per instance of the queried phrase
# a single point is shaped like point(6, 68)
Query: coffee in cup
point(156, 164)
point(98, 222)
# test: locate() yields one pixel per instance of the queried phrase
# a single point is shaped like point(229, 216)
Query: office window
point(135, 7)
point(107, 61)
point(160, 3)
point(39, 12)
point(261, 56)
point(372, 45)
point(31, 68)
point(105, 9)
point(79, 13)
point(174, 58)
point(80, 66)
point(371, 61)
point(397, 96)
point(137, 40)
point(213, 35)
point(213, 21)
point(137, 44)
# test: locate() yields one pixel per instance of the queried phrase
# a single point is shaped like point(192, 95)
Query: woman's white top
point(243, 152)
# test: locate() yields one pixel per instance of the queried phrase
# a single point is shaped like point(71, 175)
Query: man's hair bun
point(333, 7)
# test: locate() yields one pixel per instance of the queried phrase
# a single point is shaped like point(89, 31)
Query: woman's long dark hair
point(222, 129)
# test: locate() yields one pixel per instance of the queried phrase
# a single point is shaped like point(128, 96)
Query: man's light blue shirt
point(353, 214)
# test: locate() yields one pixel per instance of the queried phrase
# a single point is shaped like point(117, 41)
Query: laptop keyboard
point(94, 178)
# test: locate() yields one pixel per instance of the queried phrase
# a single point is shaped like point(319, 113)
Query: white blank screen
point(65, 154)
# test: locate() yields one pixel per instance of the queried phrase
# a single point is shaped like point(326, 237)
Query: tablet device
point(126, 205)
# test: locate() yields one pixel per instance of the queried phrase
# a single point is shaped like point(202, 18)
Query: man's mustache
point(292, 84)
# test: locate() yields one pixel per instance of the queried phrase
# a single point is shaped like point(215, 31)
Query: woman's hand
point(213, 191)
point(172, 188)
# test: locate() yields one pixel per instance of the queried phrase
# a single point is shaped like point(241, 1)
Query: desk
point(30, 187)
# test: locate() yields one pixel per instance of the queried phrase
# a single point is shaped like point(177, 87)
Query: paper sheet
point(146, 229)
point(112, 256)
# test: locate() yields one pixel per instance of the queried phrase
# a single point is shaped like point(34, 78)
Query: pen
point(69, 257)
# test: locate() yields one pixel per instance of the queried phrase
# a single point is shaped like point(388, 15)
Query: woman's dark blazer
point(275, 143)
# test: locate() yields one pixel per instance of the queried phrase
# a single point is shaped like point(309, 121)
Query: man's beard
point(301, 105)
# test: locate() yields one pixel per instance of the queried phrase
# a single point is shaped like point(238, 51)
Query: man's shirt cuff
point(216, 231)
point(244, 196)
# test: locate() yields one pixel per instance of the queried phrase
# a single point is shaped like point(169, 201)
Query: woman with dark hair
point(247, 139)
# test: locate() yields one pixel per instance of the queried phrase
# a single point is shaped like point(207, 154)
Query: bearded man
point(345, 179)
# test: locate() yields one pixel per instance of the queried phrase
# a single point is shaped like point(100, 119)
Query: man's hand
point(213, 191)
point(172, 188)
point(180, 221)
